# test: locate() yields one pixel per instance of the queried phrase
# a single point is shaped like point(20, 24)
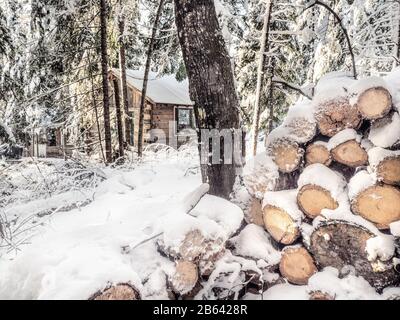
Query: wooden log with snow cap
point(297, 265)
point(340, 244)
point(319, 188)
point(346, 149)
point(320, 295)
point(260, 174)
point(386, 165)
point(385, 132)
point(337, 115)
point(254, 213)
point(282, 216)
point(374, 103)
point(378, 203)
point(285, 151)
point(184, 281)
point(318, 152)
point(122, 291)
point(300, 123)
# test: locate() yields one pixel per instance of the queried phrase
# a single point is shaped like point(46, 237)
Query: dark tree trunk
point(211, 82)
point(146, 77)
point(104, 71)
point(124, 86)
point(119, 118)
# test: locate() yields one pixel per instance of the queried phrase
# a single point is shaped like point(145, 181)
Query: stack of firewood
point(338, 185)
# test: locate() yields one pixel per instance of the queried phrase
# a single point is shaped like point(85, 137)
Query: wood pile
point(342, 184)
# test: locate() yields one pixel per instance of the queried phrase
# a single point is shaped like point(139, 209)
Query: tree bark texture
point(211, 82)
point(119, 118)
point(104, 71)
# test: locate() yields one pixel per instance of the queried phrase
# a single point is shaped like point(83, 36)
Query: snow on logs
point(281, 216)
point(346, 149)
point(372, 99)
point(184, 280)
point(386, 165)
point(285, 151)
point(320, 188)
point(378, 203)
point(297, 265)
point(340, 244)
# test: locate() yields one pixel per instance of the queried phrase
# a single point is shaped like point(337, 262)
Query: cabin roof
point(164, 89)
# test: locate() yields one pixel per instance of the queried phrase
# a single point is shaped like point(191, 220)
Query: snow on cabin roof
point(165, 89)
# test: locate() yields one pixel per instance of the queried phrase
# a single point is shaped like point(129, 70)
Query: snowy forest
point(200, 150)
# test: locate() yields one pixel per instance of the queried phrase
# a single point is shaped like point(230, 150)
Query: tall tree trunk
point(122, 68)
point(104, 71)
point(146, 78)
point(260, 73)
point(398, 36)
point(211, 83)
point(96, 112)
point(119, 118)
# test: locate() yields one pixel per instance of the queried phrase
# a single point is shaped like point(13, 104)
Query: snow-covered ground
point(72, 254)
point(76, 229)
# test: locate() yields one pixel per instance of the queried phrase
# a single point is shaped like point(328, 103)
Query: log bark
point(312, 199)
point(280, 225)
point(374, 103)
point(379, 204)
point(339, 244)
point(388, 170)
point(211, 85)
point(318, 153)
point(337, 115)
point(104, 73)
point(123, 291)
point(287, 155)
point(350, 153)
point(297, 265)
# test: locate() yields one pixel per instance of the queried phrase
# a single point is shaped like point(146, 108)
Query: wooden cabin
point(168, 105)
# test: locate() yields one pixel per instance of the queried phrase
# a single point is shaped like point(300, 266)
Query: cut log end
point(350, 153)
point(318, 153)
point(378, 204)
point(122, 291)
point(338, 244)
point(388, 171)
point(374, 103)
point(280, 225)
point(313, 199)
point(297, 265)
point(287, 156)
point(337, 115)
point(185, 277)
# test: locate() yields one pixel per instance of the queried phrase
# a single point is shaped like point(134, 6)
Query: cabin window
point(184, 118)
point(52, 138)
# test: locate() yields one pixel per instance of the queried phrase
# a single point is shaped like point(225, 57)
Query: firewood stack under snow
point(336, 200)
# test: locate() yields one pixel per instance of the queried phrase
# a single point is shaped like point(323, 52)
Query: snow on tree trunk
point(119, 118)
point(211, 82)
